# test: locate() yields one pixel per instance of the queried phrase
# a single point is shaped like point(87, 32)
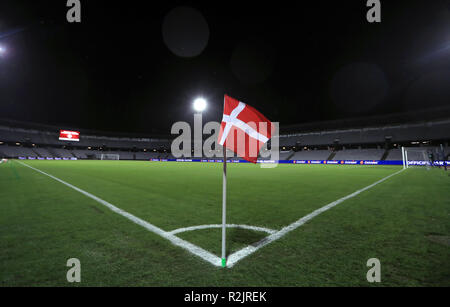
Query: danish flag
point(244, 130)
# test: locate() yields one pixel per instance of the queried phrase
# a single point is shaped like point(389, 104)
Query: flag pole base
point(224, 262)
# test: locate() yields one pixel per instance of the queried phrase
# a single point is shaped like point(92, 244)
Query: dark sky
point(294, 61)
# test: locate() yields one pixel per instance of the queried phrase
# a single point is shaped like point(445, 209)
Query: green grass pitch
point(403, 221)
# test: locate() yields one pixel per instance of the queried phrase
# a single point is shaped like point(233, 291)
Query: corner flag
point(244, 130)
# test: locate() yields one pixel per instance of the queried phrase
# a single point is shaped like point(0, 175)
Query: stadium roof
point(361, 122)
point(137, 67)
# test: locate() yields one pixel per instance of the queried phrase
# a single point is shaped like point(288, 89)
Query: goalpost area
point(109, 157)
point(423, 156)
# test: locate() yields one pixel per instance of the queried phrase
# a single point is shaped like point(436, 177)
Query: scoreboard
point(67, 135)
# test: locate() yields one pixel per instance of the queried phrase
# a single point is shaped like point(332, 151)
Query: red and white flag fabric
point(244, 130)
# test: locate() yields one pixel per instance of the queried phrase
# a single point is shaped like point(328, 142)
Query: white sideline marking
point(237, 256)
point(205, 255)
point(255, 228)
point(198, 251)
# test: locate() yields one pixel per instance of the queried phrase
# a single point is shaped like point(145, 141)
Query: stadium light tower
point(199, 105)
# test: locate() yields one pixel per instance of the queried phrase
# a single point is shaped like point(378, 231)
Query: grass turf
point(403, 221)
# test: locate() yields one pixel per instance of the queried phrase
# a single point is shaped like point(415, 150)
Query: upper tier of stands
point(425, 131)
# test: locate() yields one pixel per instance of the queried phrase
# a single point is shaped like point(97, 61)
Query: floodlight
point(199, 104)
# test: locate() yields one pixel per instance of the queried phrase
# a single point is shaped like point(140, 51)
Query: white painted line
point(205, 255)
point(198, 251)
point(255, 228)
point(239, 255)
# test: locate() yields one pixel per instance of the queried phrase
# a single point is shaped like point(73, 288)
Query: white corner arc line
point(239, 255)
point(198, 251)
point(199, 227)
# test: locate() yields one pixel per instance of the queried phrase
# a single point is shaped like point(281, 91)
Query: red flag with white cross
point(244, 130)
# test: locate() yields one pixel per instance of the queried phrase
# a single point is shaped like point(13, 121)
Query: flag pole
point(224, 206)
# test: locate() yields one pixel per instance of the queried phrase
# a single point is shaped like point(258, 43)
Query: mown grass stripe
point(194, 249)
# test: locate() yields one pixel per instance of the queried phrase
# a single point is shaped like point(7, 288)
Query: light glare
point(199, 104)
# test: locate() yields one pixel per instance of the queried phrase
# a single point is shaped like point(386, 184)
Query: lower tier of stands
point(11, 151)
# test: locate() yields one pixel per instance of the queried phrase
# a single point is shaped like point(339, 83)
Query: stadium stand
point(311, 155)
point(123, 155)
point(394, 154)
point(359, 154)
point(61, 153)
point(434, 130)
point(43, 152)
point(147, 155)
point(80, 154)
point(286, 155)
point(371, 141)
point(17, 151)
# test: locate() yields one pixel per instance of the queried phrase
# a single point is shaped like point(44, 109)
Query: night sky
point(136, 66)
